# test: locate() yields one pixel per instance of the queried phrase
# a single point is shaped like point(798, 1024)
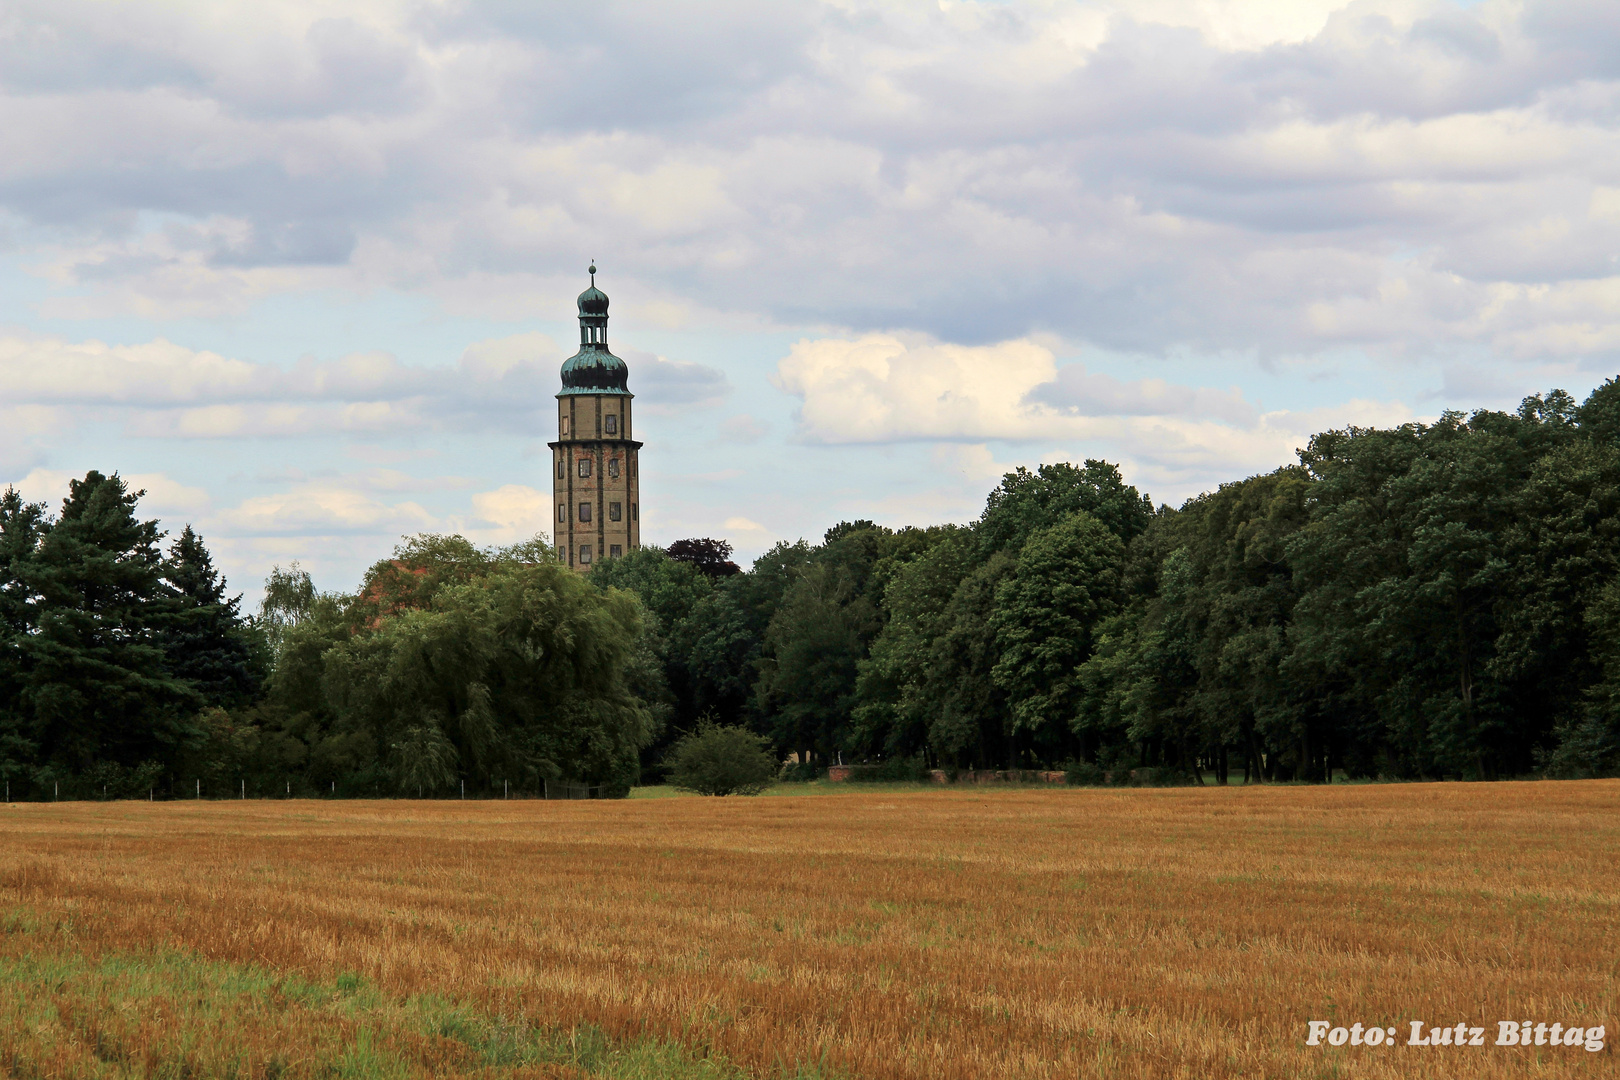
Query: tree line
point(1427, 601)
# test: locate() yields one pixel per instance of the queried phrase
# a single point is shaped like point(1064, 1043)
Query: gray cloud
point(171, 391)
point(1079, 392)
point(1393, 182)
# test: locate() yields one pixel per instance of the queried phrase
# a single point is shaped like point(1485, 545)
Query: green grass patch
point(174, 1015)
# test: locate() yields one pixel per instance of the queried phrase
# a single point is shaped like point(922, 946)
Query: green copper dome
point(593, 301)
point(593, 370)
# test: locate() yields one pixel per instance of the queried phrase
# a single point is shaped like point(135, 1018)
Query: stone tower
point(595, 479)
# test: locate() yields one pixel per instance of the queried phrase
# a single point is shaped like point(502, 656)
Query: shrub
point(716, 760)
point(802, 772)
point(1085, 774)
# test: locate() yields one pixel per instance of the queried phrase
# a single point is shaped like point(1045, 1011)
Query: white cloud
point(164, 496)
point(321, 509)
point(882, 388)
point(510, 514)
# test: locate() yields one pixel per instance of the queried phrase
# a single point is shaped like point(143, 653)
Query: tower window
point(612, 425)
point(584, 511)
point(562, 552)
point(560, 469)
point(585, 554)
point(613, 468)
point(562, 511)
point(613, 511)
point(615, 551)
point(633, 516)
point(565, 425)
point(585, 467)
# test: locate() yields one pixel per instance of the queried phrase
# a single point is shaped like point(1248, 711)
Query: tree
point(715, 760)
point(97, 685)
point(812, 647)
point(22, 528)
point(1026, 502)
point(712, 557)
point(520, 669)
point(289, 596)
point(1067, 580)
point(896, 691)
point(201, 631)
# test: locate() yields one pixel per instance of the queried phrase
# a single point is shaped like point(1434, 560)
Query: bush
point(1085, 774)
point(716, 760)
point(802, 772)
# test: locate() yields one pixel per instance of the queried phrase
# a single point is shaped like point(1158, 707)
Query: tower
point(595, 482)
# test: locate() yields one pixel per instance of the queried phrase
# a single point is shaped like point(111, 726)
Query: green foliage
point(1429, 600)
point(1026, 502)
point(204, 640)
point(94, 682)
point(716, 760)
point(508, 670)
point(1066, 582)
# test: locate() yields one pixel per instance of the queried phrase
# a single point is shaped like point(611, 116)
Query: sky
point(305, 272)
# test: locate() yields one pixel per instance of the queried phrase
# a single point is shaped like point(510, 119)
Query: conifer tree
point(201, 632)
point(22, 526)
point(95, 686)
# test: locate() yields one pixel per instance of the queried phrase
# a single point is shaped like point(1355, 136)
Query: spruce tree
point(201, 631)
point(22, 526)
point(95, 685)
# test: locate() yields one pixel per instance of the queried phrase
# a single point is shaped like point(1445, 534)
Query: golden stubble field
point(949, 933)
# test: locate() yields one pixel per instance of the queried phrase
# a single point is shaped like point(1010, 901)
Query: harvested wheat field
point(926, 933)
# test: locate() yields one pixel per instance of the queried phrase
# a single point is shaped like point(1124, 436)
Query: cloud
point(321, 509)
point(881, 388)
point(667, 383)
point(1400, 176)
point(170, 391)
point(510, 514)
point(161, 496)
point(885, 388)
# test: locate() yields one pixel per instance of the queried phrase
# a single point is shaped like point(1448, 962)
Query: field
point(882, 933)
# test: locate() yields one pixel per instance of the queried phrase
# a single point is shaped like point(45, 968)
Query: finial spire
point(593, 273)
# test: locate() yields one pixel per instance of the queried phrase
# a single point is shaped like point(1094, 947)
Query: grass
point(871, 932)
point(173, 1014)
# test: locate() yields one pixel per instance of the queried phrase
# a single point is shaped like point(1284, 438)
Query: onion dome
point(593, 301)
point(594, 370)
